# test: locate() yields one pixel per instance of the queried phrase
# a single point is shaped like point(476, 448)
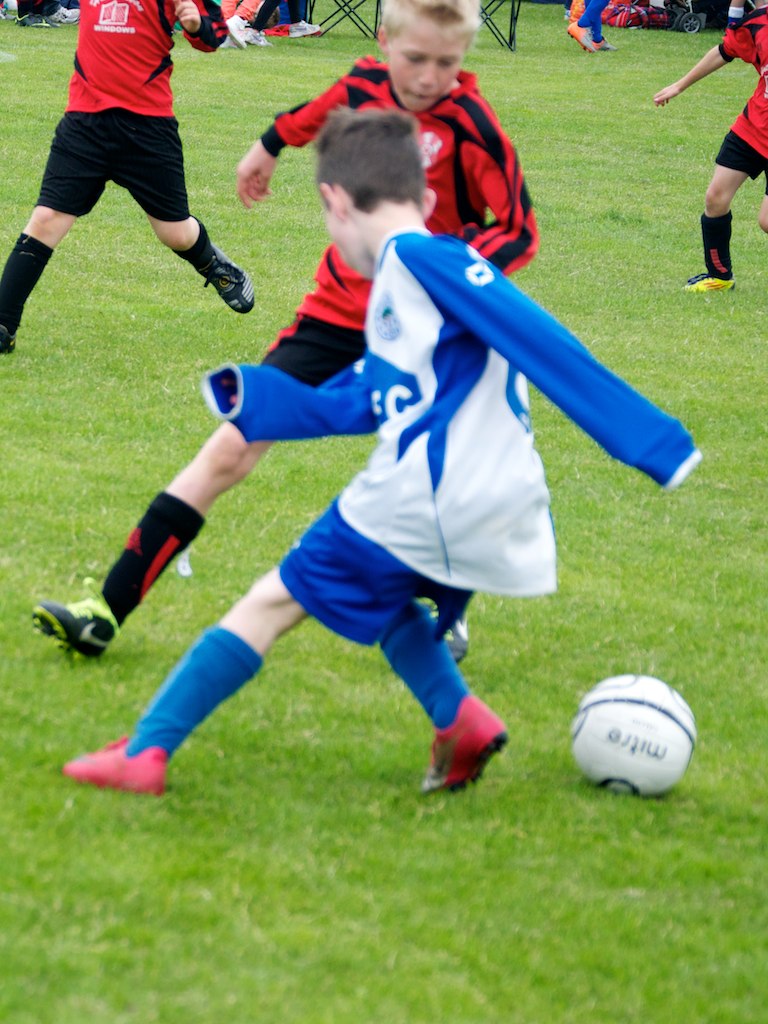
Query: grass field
point(293, 874)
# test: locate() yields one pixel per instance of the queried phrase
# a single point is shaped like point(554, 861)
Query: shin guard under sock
point(424, 664)
point(168, 526)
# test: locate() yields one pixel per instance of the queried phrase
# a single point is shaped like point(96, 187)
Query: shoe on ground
point(232, 283)
point(461, 752)
point(255, 38)
point(34, 21)
point(706, 283)
point(603, 46)
point(457, 639)
point(237, 28)
point(302, 28)
point(7, 341)
point(111, 768)
point(58, 15)
point(583, 36)
point(87, 626)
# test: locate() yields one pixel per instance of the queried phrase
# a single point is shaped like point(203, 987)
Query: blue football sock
point(214, 668)
point(424, 664)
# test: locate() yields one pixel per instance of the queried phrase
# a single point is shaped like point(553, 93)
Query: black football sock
point(201, 253)
point(716, 234)
point(25, 265)
point(168, 526)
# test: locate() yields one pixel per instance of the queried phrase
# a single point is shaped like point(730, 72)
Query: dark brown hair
point(373, 154)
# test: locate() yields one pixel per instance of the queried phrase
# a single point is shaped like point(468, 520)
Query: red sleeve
point(738, 42)
point(300, 126)
point(213, 29)
point(510, 239)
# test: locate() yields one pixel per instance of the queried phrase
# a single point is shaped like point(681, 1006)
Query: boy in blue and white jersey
point(453, 498)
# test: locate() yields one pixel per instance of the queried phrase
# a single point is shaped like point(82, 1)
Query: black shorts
point(738, 155)
point(142, 154)
point(313, 351)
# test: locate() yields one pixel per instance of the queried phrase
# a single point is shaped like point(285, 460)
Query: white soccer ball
point(633, 734)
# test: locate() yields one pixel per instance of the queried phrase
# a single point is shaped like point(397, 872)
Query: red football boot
point(461, 752)
point(112, 768)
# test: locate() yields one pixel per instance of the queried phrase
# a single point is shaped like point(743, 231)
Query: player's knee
point(762, 220)
point(229, 458)
point(48, 226)
point(226, 454)
point(177, 235)
point(716, 202)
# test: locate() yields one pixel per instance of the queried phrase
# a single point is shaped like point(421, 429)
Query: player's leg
point(72, 183)
point(222, 660)
point(25, 265)
point(586, 28)
point(168, 526)
point(357, 589)
point(762, 217)
point(189, 240)
point(593, 14)
point(735, 162)
point(149, 163)
point(467, 732)
point(309, 350)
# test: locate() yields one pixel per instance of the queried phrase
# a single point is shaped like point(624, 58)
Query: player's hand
point(188, 15)
point(662, 98)
point(254, 173)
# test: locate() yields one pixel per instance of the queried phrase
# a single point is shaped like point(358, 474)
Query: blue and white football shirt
point(455, 488)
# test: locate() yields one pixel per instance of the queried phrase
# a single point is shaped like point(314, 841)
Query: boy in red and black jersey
point(119, 126)
point(744, 152)
point(470, 164)
point(472, 167)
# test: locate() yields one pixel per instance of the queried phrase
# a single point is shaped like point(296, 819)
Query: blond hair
point(462, 15)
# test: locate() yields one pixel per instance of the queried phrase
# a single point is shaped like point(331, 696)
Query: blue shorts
point(355, 587)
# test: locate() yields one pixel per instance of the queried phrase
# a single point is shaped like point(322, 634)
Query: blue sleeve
point(469, 291)
point(266, 404)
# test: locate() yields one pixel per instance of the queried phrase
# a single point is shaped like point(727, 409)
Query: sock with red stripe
point(168, 526)
point(716, 234)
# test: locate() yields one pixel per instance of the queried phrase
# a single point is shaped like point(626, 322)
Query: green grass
point(293, 874)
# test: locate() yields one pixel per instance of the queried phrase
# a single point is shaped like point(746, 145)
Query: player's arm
point(266, 404)
point(202, 22)
point(487, 305)
point(713, 60)
point(495, 182)
point(295, 127)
